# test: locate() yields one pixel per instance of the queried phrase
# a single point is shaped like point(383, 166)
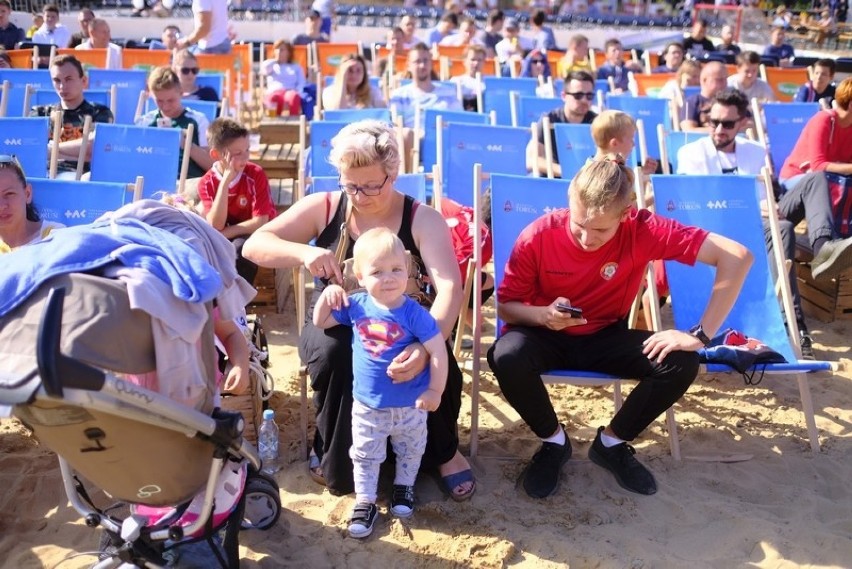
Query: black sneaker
point(619, 460)
point(402, 501)
point(541, 476)
point(363, 519)
point(807, 345)
point(833, 258)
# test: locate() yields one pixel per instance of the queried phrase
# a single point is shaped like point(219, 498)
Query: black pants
point(521, 355)
point(788, 243)
point(245, 268)
point(808, 198)
point(328, 357)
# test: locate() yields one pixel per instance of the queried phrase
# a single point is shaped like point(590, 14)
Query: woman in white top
point(351, 87)
point(284, 80)
point(19, 221)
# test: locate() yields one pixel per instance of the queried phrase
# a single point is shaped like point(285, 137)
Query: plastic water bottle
point(267, 442)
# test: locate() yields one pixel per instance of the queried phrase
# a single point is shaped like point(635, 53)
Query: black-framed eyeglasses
point(366, 189)
point(727, 125)
point(579, 96)
point(188, 70)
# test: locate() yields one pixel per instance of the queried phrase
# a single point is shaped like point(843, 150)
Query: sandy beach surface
point(772, 504)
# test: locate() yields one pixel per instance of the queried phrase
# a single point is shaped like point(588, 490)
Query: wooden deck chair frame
point(801, 367)
point(581, 379)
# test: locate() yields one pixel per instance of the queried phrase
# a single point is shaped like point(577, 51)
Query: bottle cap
point(269, 414)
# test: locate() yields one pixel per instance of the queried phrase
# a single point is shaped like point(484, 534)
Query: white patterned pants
point(406, 427)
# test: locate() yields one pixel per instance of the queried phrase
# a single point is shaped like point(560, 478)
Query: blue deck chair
point(352, 115)
point(210, 109)
point(670, 143)
point(527, 110)
point(497, 92)
point(574, 145)
point(26, 139)
point(651, 110)
point(214, 80)
point(316, 157)
point(429, 140)
point(128, 83)
point(517, 201)
point(18, 80)
point(51, 97)
point(120, 153)
point(73, 202)
point(784, 123)
point(413, 185)
point(729, 206)
point(500, 150)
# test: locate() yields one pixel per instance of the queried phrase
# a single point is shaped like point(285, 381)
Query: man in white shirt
point(467, 35)
point(746, 78)
point(512, 46)
point(211, 27)
point(52, 32)
point(421, 93)
point(99, 38)
point(723, 153)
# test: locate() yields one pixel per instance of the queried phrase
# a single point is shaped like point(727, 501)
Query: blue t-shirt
point(783, 51)
point(617, 72)
point(379, 336)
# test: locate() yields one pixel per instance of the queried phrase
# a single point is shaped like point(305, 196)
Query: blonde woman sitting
point(351, 87)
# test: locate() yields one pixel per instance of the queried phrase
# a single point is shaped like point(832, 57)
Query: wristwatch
point(698, 332)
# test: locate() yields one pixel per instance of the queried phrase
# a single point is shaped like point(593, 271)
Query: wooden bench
point(824, 300)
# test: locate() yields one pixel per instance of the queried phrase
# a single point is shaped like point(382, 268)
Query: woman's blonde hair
point(363, 144)
point(376, 243)
point(603, 184)
point(363, 92)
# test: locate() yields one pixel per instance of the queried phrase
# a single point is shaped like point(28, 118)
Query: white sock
point(609, 441)
point(558, 438)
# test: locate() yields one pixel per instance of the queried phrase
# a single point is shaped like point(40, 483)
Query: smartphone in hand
point(572, 310)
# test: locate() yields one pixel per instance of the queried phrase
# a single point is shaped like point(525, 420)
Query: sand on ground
point(776, 505)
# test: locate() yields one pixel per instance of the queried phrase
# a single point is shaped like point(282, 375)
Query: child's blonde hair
point(376, 243)
point(603, 184)
point(609, 125)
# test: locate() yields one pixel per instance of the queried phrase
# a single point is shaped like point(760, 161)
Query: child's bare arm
point(332, 298)
point(438, 365)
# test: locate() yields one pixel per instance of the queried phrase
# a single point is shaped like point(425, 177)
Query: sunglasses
point(727, 125)
point(541, 61)
point(579, 96)
point(366, 189)
point(188, 70)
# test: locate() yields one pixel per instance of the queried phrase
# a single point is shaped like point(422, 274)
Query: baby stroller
point(175, 476)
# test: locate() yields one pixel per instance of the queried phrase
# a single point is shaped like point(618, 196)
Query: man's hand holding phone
point(560, 315)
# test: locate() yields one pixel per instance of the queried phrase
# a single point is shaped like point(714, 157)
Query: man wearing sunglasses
point(578, 94)
point(723, 153)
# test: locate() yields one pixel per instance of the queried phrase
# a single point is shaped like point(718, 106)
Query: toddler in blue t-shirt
point(385, 321)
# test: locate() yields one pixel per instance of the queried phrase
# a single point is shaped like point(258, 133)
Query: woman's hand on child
point(410, 362)
point(334, 297)
point(428, 400)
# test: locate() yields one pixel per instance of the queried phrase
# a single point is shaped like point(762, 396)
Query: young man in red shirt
point(234, 193)
point(824, 147)
point(593, 256)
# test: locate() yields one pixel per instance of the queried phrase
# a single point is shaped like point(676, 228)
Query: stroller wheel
point(263, 504)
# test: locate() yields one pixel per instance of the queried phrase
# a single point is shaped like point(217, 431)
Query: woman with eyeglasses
point(309, 234)
point(351, 87)
point(284, 81)
point(186, 66)
point(535, 65)
point(20, 223)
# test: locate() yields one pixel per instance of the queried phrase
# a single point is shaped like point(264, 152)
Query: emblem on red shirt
point(243, 201)
point(608, 270)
